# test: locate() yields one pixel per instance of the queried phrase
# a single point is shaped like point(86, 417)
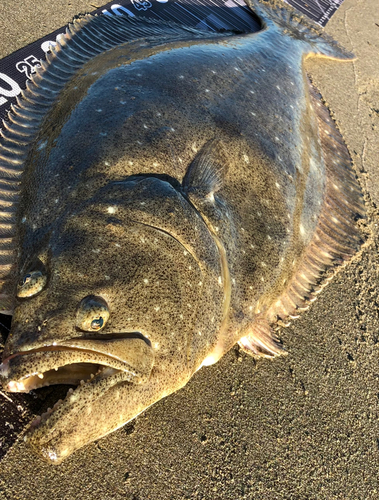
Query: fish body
point(166, 193)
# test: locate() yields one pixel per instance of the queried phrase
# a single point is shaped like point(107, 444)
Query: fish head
point(113, 302)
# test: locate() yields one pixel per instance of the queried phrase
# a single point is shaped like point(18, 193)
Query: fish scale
point(166, 193)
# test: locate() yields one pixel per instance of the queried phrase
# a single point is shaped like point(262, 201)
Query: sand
point(304, 426)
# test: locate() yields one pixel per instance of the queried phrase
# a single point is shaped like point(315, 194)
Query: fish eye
point(31, 283)
point(93, 314)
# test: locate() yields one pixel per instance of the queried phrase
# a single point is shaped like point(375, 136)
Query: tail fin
point(276, 13)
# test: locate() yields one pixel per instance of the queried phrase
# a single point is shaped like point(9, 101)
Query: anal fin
point(337, 237)
point(261, 341)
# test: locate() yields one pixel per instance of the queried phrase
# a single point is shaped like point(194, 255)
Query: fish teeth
point(37, 420)
point(58, 403)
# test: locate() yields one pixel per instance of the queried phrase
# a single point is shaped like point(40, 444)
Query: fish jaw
point(107, 400)
point(74, 416)
point(93, 410)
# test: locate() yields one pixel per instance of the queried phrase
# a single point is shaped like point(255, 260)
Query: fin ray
point(337, 236)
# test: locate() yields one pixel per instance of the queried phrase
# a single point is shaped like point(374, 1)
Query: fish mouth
point(80, 362)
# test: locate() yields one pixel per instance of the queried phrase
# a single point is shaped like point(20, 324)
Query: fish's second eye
point(93, 314)
point(31, 284)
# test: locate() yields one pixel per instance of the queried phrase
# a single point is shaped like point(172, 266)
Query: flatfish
point(165, 193)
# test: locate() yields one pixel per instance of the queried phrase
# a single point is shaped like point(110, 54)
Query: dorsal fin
point(85, 38)
point(336, 239)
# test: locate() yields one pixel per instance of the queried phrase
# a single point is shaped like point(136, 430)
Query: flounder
point(165, 193)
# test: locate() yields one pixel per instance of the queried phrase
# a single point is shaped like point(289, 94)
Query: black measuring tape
point(214, 15)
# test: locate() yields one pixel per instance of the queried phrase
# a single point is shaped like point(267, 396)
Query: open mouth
point(80, 362)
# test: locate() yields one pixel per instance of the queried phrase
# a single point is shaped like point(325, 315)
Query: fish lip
point(19, 371)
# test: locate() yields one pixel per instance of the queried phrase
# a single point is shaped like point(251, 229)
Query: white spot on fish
point(219, 280)
point(145, 126)
point(246, 158)
point(103, 134)
point(122, 102)
point(156, 308)
point(96, 250)
point(23, 219)
point(111, 210)
point(42, 145)
point(263, 264)
point(99, 110)
point(146, 281)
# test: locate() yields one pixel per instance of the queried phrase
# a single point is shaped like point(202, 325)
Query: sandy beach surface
point(304, 426)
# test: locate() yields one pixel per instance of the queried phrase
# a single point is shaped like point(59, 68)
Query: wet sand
point(304, 426)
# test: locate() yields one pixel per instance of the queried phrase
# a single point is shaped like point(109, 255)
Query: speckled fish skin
point(180, 192)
